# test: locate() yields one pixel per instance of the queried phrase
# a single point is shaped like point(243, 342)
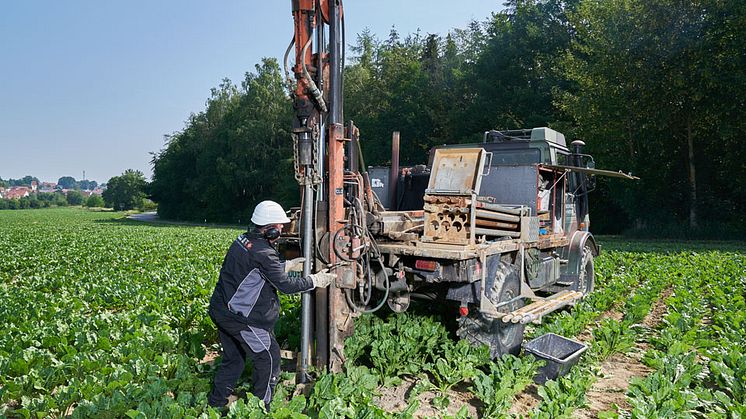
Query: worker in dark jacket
point(245, 305)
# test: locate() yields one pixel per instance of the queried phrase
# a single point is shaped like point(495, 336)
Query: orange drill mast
point(319, 140)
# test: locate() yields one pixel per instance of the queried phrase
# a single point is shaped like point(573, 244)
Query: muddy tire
point(586, 280)
point(503, 284)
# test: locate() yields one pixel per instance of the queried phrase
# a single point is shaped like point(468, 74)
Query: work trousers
point(258, 345)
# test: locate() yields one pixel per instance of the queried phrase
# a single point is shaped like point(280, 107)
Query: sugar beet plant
point(698, 358)
point(705, 311)
point(107, 318)
point(102, 317)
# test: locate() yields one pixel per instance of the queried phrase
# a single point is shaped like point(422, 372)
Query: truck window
point(505, 157)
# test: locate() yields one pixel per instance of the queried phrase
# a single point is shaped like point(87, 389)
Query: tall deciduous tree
point(87, 184)
point(512, 80)
point(648, 88)
point(234, 154)
point(94, 200)
point(74, 198)
point(66, 182)
point(125, 192)
point(414, 85)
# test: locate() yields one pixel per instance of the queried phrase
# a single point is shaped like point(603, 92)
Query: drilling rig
point(498, 231)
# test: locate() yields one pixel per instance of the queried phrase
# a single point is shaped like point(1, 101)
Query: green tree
point(94, 201)
point(34, 201)
point(234, 154)
point(24, 181)
point(125, 192)
point(512, 79)
point(74, 197)
point(66, 182)
point(656, 89)
point(87, 185)
point(409, 84)
point(60, 199)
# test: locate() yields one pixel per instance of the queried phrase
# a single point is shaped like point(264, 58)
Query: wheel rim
point(506, 332)
point(584, 276)
point(589, 276)
point(582, 279)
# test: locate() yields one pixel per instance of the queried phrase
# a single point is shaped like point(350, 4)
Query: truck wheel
point(587, 275)
point(503, 284)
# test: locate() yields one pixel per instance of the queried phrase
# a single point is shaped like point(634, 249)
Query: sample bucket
point(559, 352)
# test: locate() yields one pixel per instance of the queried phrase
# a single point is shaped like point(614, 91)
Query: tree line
point(654, 87)
point(69, 182)
point(124, 192)
point(52, 199)
point(65, 182)
point(24, 181)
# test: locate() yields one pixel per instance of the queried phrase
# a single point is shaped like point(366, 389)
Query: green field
point(104, 317)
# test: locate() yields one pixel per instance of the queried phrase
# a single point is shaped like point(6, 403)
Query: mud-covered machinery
point(502, 236)
point(497, 231)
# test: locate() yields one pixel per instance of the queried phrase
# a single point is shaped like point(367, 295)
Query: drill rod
point(306, 308)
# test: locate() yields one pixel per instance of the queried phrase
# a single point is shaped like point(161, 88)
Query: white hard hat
point(269, 212)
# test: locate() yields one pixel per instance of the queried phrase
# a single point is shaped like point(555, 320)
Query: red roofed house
point(16, 192)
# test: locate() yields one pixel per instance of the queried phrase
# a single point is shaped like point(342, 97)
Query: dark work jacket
point(246, 292)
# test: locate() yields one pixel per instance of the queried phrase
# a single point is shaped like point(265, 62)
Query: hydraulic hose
point(315, 92)
point(374, 309)
point(285, 62)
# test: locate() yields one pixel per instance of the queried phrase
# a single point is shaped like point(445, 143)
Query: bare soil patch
point(394, 399)
point(611, 387)
point(616, 372)
point(525, 401)
point(653, 319)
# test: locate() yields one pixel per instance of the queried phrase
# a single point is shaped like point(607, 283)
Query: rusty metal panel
point(463, 252)
point(440, 251)
point(456, 171)
point(447, 222)
point(495, 232)
point(340, 321)
point(529, 229)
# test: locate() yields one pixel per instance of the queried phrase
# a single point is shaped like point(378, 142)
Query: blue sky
point(95, 85)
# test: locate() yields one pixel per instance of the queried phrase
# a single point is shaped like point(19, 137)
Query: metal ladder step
point(536, 310)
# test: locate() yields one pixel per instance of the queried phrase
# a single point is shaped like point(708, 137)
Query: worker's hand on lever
point(322, 278)
point(294, 265)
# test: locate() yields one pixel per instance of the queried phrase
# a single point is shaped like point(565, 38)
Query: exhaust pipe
point(394, 171)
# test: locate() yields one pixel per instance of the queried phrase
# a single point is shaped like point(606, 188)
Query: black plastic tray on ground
point(559, 353)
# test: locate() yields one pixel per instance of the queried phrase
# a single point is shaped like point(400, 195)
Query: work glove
point(294, 265)
point(322, 279)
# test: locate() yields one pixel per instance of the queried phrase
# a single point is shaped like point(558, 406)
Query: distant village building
point(47, 187)
point(97, 191)
point(17, 192)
